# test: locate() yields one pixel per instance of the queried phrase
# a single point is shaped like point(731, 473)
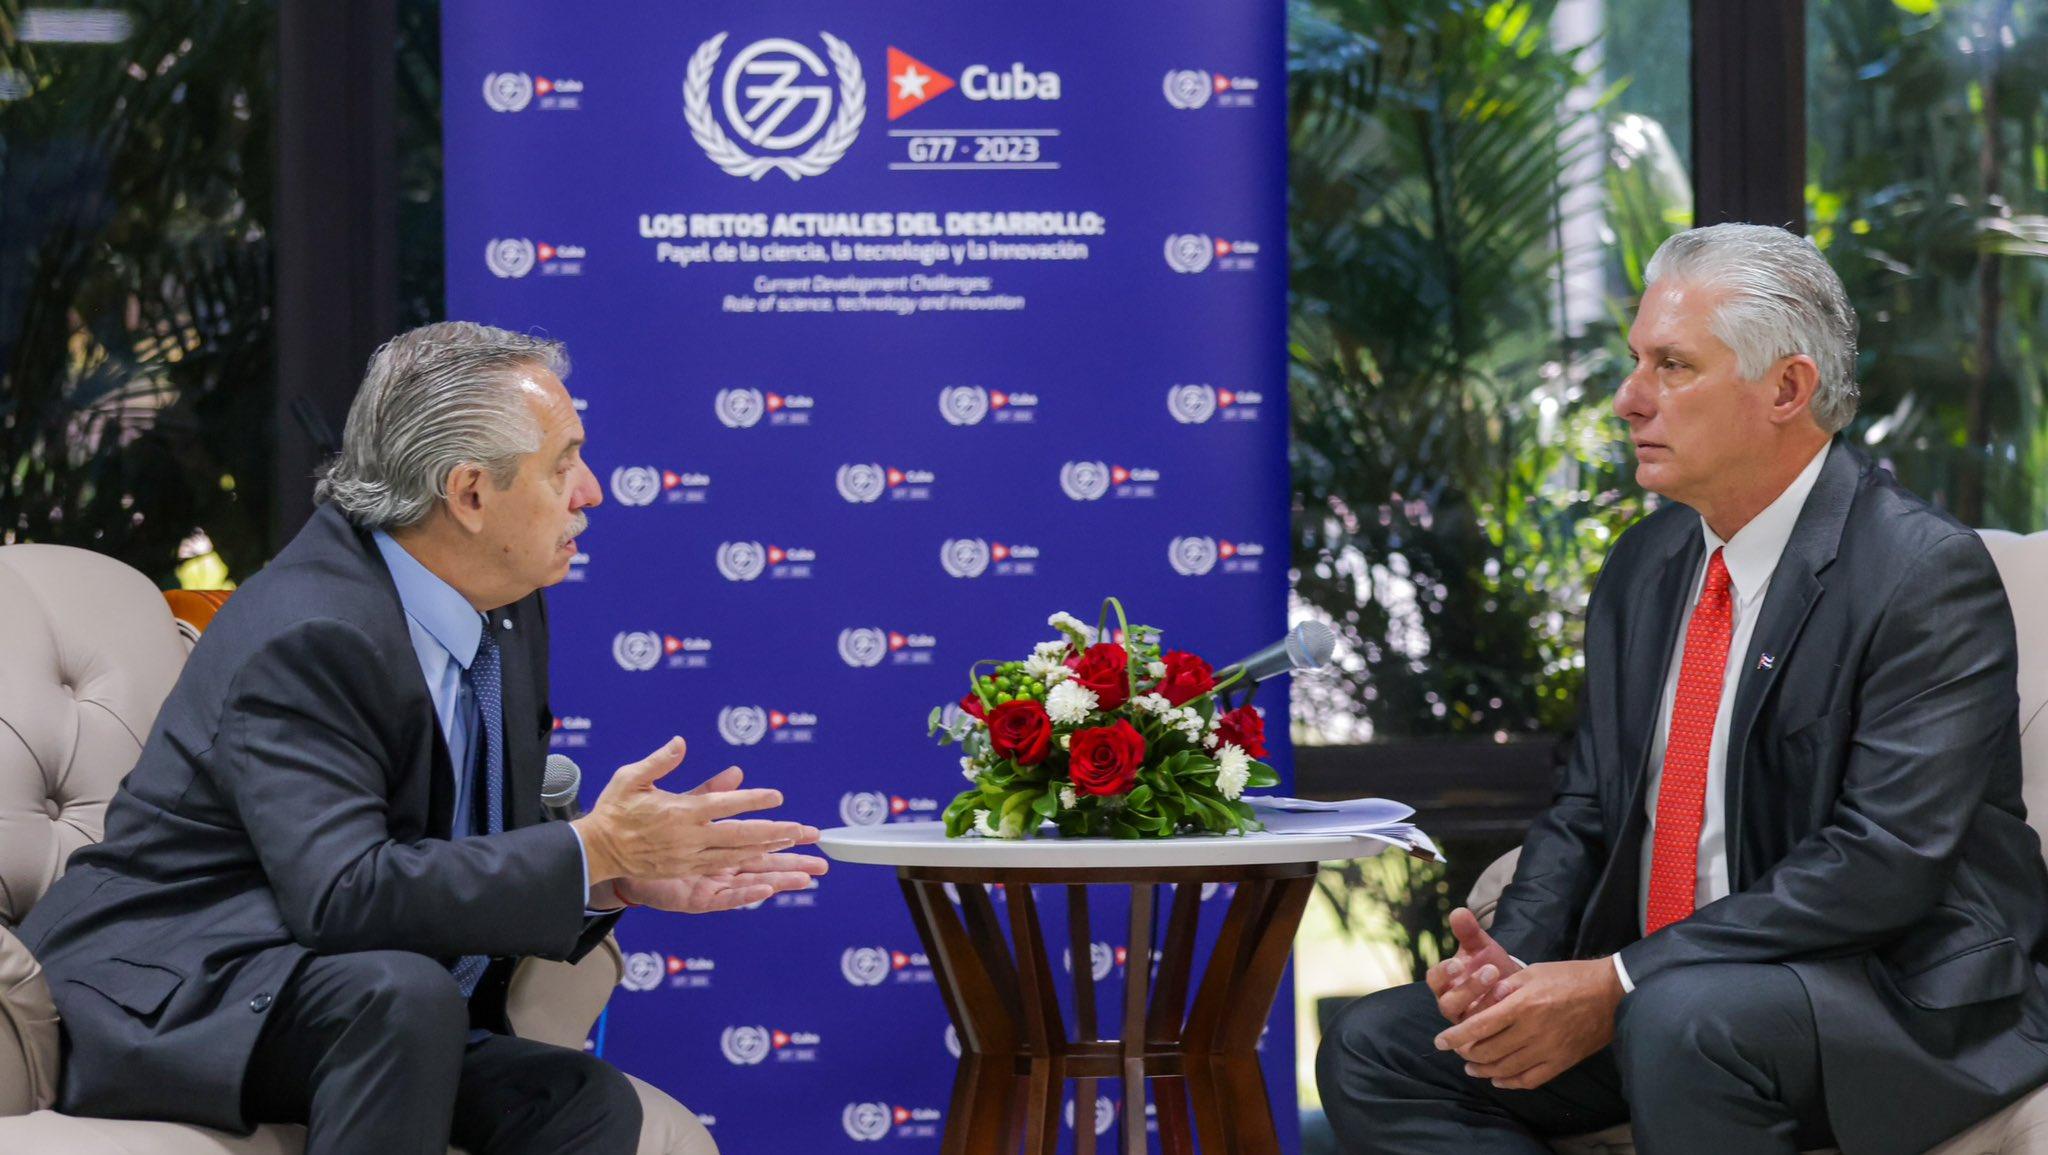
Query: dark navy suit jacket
point(294, 798)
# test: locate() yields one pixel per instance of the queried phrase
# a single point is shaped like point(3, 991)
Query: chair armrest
point(29, 1052)
point(1486, 892)
point(557, 1002)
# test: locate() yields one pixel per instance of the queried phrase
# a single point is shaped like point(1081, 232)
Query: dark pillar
point(1749, 111)
point(337, 226)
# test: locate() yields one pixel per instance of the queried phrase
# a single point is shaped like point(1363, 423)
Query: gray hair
point(434, 398)
point(1783, 299)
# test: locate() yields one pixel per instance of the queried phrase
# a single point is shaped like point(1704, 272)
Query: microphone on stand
point(559, 782)
point(1307, 646)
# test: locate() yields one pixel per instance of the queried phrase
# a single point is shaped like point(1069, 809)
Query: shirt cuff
point(584, 856)
point(1621, 972)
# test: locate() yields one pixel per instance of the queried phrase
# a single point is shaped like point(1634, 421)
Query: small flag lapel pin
point(1765, 661)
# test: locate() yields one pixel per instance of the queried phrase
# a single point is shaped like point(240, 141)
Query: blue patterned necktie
point(487, 683)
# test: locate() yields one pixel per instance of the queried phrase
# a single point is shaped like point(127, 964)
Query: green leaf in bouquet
point(1261, 776)
point(932, 724)
point(1046, 805)
point(1017, 805)
point(959, 815)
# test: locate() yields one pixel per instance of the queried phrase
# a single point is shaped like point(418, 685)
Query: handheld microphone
point(559, 782)
point(1307, 646)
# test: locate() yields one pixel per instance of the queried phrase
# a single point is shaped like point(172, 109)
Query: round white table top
point(926, 844)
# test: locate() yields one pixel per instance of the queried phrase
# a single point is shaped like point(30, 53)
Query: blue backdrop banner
point(896, 328)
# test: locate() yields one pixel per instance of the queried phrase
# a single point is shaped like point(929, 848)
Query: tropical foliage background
point(136, 351)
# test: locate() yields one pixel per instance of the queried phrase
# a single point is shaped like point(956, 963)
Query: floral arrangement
point(1102, 736)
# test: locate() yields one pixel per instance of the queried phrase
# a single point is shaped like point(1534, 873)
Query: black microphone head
point(1310, 644)
point(560, 780)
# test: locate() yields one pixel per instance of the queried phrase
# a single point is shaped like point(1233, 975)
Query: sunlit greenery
point(1928, 190)
point(1457, 473)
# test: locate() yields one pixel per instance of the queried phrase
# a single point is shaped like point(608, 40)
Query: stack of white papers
point(1379, 818)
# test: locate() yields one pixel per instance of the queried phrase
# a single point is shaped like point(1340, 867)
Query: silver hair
point(1783, 299)
point(433, 398)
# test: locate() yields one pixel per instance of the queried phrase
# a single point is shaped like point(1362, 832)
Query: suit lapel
point(1651, 638)
point(440, 772)
point(1795, 587)
point(1652, 647)
point(522, 743)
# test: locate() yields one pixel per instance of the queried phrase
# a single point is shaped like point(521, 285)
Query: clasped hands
point(1520, 1026)
point(690, 853)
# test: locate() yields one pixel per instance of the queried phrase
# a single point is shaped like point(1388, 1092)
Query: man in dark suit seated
point(1785, 894)
point(316, 879)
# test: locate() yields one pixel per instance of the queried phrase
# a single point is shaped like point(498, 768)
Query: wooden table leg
point(1081, 949)
point(1137, 984)
point(1044, 1033)
point(978, 1120)
point(1167, 1015)
point(1205, 1097)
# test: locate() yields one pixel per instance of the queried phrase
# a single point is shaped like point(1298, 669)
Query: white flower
point(1037, 666)
point(1066, 741)
point(1069, 703)
point(1211, 740)
point(1050, 649)
point(1012, 827)
point(968, 768)
point(1157, 669)
point(1071, 626)
point(1233, 768)
point(1067, 799)
point(1187, 721)
point(1057, 674)
point(1151, 704)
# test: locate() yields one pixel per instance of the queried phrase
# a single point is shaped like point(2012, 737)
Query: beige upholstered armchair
point(88, 651)
point(2022, 1128)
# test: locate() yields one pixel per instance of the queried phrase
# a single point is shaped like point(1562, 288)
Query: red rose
point(1244, 729)
point(1104, 668)
point(971, 704)
point(1105, 760)
point(1187, 677)
point(1020, 730)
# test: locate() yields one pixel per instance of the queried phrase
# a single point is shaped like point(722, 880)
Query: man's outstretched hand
point(1465, 982)
point(690, 852)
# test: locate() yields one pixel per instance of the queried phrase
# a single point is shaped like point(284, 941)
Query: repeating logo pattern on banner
point(891, 336)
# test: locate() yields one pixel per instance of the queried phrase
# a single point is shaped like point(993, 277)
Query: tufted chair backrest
point(88, 652)
point(2023, 564)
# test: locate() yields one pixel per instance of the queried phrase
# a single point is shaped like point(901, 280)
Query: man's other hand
point(638, 830)
point(752, 882)
point(1466, 981)
point(1546, 1019)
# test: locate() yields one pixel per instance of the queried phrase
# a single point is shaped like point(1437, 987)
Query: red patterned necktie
point(1682, 791)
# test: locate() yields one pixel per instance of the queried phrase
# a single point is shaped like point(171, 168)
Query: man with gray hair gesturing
point(1785, 894)
point(316, 879)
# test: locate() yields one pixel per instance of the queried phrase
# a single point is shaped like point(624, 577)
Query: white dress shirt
point(1751, 557)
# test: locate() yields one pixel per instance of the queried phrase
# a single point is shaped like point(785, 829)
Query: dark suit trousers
point(1706, 1060)
point(373, 1052)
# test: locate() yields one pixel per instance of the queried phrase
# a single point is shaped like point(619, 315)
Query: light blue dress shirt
point(445, 632)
